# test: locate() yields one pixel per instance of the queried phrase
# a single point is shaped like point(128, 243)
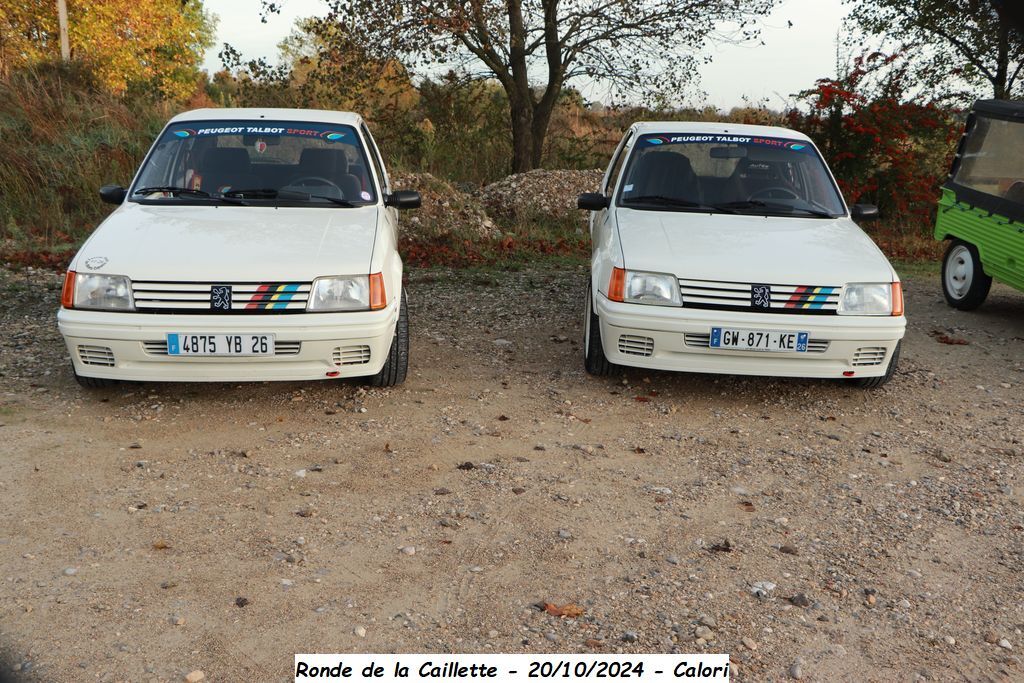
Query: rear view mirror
point(113, 194)
point(728, 152)
point(403, 199)
point(864, 212)
point(592, 201)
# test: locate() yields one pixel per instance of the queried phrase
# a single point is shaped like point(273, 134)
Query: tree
point(147, 45)
point(533, 48)
point(977, 42)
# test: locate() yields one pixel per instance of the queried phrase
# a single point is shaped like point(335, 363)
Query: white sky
point(790, 60)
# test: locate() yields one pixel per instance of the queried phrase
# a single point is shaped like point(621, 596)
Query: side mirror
point(592, 201)
point(113, 194)
point(864, 212)
point(404, 199)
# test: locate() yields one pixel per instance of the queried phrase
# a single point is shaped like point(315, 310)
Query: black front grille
point(760, 298)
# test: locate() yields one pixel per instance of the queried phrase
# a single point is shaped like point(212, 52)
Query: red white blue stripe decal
point(272, 297)
point(810, 297)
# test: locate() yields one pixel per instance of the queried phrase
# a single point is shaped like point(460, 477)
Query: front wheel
point(397, 365)
point(93, 382)
point(594, 360)
point(875, 382)
point(964, 282)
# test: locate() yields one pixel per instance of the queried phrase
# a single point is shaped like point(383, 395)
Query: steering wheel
point(318, 180)
point(786, 193)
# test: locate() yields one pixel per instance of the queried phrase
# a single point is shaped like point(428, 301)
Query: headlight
point(102, 292)
point(342, 293)
point(637, 287)
point(869, 299)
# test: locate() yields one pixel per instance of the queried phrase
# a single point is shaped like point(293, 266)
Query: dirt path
point(135, 521)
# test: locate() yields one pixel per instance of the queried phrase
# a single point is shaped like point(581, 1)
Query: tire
point(93, 382)
point(964, 282)
point(397, 365)
point(875, 382)
point(594, 360)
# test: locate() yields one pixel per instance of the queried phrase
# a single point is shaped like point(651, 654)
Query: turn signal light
point(67, 294)
point(897, 298)
point(617, 285)
point(378, 298)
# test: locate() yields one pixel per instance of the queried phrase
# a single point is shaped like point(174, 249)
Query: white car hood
point(230, 243)
point(740, 248)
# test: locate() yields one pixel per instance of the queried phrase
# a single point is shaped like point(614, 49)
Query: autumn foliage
point(884, 145)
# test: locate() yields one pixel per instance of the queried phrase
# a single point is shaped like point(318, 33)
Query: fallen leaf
point(387, 448)
point(567, 610)
point(952, 341)
point(161, 545)
point(746, 506)
point(503, 418)
point(639, 450)
point(593, 643)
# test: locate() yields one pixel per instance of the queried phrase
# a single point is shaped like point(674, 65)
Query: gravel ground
point(812, 530)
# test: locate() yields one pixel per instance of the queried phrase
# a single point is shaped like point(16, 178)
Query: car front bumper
point(670, 338)
point(127, 346)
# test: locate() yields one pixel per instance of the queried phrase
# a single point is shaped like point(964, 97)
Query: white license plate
point(758, 340)
point(186, 344)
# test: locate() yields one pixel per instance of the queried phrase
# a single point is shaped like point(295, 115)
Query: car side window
point(613, 177)
point(375, 159)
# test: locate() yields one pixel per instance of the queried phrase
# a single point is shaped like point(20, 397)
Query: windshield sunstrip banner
point(263, 129)
point(657, 139)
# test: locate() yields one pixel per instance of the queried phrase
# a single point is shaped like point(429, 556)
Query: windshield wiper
point(669, 201)
point(777, 208)
point(172, 189)
point(258, 193)
point(294, 194)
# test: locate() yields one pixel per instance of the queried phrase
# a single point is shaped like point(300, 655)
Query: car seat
point(226, 168)
point(332, 165)
point(666, 174)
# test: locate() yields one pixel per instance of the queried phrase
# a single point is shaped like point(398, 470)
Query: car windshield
point(991, 162)
point(714, 173)
point(256, 162)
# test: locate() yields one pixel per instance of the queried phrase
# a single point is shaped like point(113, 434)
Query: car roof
point(270, 114)
point(716, 127)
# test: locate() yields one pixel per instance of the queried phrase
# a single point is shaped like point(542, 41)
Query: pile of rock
point(540, 193)
point(446, 212)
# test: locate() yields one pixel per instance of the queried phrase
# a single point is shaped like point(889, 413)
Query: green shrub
point(62, 138)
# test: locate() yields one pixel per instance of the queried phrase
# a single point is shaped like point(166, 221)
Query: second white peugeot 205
point(725, 248)
point(253, 244)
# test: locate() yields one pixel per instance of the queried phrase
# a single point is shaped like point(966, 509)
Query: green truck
point(981, 212)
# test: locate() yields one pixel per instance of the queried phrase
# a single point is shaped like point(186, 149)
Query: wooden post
point(62, 17)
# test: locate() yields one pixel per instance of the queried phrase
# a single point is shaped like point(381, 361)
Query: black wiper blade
point(784, 209)
point(292, 194)
point(661, 199)
point(255, 193)
point(669, 201)
point(171, 189)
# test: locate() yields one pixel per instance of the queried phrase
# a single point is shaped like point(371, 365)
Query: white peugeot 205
point(726, 248)
point(253, 244)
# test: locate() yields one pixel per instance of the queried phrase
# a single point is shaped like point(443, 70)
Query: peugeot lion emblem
point(220, 298)
point(761, 296)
